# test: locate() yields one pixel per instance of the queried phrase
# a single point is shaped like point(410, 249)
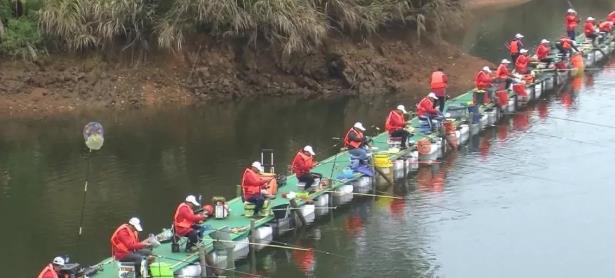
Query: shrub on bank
point(19, 33)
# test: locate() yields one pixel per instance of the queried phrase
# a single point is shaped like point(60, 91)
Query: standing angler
point(439, 82)
point(302, 165)
point(396, 124)
point(571, 23)
point(515, 46)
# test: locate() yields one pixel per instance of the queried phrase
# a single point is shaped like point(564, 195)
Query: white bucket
point(538, 90)
point(491, 117)
point(474, 129)
point(322, 204)
point(549, 83)
point(193, 270)
point(399, 165)
point(364, 183)
point(263, 235)
point(414, 160)
point(484, 121)
point(343, 194)
point(308, 212)
point(464, 133)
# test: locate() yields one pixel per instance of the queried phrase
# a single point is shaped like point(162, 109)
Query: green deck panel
point(325, 167)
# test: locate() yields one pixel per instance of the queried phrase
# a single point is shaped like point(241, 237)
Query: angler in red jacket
point(543, 51)
point(515, 46)
point(253, 186)
point(186, 222)
point(521, 66)
point(483, 80)
point(565, 46)
point(356, 142)
point(52, 270)
point(302, 165)
point(590, 29)
point(125, 244)
point(439, 82)
point(502, 74)
point(606, 26)
point(571, 23)
point(396, 124)
point(425, 109)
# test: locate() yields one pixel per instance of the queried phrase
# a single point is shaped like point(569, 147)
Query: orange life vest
point(514, 47)
point(48, 269)
point(184, 223)
point(437, 80)
point(308, 163)
point(353, 144)
point(566, 42)
point(116, 244)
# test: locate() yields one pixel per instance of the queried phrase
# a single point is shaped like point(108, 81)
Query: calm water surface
point(515, 202)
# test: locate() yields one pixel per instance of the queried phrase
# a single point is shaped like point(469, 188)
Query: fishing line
point(564, 138)
point(83, 202)
point(315, 250)
point(583, 122)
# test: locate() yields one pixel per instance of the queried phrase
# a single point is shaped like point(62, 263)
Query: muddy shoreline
point(479, 4)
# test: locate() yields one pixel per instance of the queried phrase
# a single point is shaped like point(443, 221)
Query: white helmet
point(486, 69)
point(258, 166)
point(309, 150)
point(191, 199)
point(519, 36)
point(135, 222)
point(402, 108)
point(505, 61)
point(571, 11)
point(58, 261)
point(590, 19)
point(359, 125)
point(544, 41)
point(432, 95)
point(523, 50)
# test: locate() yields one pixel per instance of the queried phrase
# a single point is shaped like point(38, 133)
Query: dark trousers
point(137, 257)
point(403, 134)
point(194, 236)
point(547, 60)
point(258, 202)
point(308, 179)
point(441, 102)
point(513, 58)
point(571, 34)
point(592, 36)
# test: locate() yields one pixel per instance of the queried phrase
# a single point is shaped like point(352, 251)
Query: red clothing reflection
point(502, 132)
point(543, 110)
point(576, 84)
point(484, 146)
point(353, 224)
point(521, 121)
point(305, 260)
point(398, 208)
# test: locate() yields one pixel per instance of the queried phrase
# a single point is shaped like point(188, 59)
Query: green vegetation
point(288, 25)
point(19, 34)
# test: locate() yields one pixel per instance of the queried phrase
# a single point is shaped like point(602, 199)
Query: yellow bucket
point(381, 160)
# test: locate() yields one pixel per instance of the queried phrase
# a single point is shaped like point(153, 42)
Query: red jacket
point(123, 241)
point(438, 80)
point(302, 163)
point(251, 183)
point(482, 80)
point(502, 71)
point(542, 51)
point(515, 46)
point(425, 108)
point(522, 63)
point(394, 121)
point(184, 219)
point(571, 22)
point(589, 28)
point(358, 140)
point(606, 26)
point(611, 17)
point(48, 272)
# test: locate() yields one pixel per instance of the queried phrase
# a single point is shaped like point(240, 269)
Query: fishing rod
point(289, 208)
point(315, 250)
point(83, 201)
point(372, 195)
point(583, 122)
point(214, 267)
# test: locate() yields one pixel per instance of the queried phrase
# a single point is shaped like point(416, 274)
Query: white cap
point(432, 95)
point(359, 125)
point(135, 222)
point(544, 41)
point(523, 50)
point(402, 108)
point(258, 166)
point(309, 150)
point(58, 261)
point(487, 69)
point(519, 36)
point(590, 18)
point(571, 11)
point(192, 199)
point(505, 61)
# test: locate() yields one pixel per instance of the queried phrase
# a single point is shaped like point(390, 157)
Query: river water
point(528, 198)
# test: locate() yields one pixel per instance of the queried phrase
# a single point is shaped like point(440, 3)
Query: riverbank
point(212, 71)
point(479, 4)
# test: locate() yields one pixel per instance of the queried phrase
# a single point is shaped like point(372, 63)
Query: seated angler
point(125, 244)
point(590, 29)
point(425, 109)
point(565, 46)
point(302, 165)
point(253, 186)
point(356, 142)
point(502, 74)
point(52, 270)
point(543, 51)
point(523, 61)
point(186, 222)
point(396, 125)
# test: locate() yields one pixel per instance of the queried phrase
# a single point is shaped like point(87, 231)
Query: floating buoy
point(93, 134)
